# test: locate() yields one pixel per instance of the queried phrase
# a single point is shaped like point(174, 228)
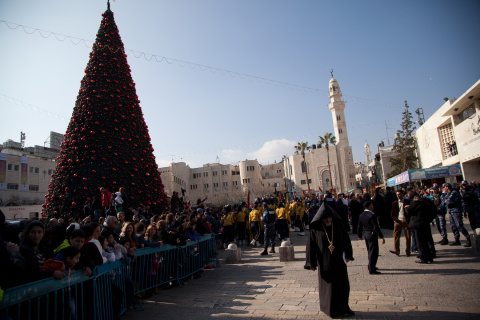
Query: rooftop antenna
point(421, 118)
point(386, 129)
point(22, 140)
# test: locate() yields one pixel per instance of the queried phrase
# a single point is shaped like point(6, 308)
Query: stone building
point(25, 173)
point(452, 135)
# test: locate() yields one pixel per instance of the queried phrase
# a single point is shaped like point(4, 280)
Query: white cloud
point(231, 155)
point(163, 163)
point(272, 151)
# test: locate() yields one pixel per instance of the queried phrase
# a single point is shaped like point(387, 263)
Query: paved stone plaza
point(262, 287)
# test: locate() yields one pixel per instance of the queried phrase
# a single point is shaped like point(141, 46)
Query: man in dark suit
point(368, 227)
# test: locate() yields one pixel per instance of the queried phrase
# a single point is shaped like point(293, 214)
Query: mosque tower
point(344, 153)
point(337, 105)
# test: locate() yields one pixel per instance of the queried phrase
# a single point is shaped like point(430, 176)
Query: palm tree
point(327, 139)
point(301, 147)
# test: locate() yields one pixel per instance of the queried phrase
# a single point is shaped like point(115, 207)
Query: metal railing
point(104, 294)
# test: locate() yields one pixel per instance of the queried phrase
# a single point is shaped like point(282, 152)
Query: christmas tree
point(107, 142)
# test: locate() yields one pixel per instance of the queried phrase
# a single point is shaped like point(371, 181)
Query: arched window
point(304, 167)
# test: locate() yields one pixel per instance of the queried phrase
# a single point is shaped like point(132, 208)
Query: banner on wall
point(24, 174)
point(3, 171)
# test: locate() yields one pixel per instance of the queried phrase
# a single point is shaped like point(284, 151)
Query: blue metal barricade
point(153, 267)
point(45, 299)
point(105, 293)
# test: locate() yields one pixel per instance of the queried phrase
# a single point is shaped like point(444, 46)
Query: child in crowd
point(64, 261)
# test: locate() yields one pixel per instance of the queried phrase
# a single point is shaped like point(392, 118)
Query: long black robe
point(333, 284)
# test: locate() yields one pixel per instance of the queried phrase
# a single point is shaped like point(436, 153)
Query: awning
point(425, 174)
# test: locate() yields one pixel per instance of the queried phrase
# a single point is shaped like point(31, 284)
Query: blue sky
point(382, 53)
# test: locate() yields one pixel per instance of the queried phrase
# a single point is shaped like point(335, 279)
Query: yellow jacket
point(228, 219)
point(255, 216)
point(282, 213)
point(300, 209)
point(242, 215)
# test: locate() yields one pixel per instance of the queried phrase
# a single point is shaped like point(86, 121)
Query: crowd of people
point(412, 211)
point(108, 229)
point(34, 249)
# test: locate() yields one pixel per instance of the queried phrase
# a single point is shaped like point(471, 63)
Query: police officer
point(471, 200)
point(453, 201)
point(439, 201)
point(268, 219)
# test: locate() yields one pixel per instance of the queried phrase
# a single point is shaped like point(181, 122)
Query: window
point(340, 130)
point(304, 181)
point(214, 173)
point(279, 170)
point(304, 167)
point(215, 185)
point(34, 170)
point(32, 188)
point(193, 187)
point(338, 118)
point(447, 139)
point(10, 167)
point(276, 184)
point(235, 183)
point(465, 114)
point(250, 168)
point(12, 186)
point(197, 175)
point(205, 174)
point(225, 184)
point(50, 171)
point(235, 173)
point(224, 172)
point(247, 180)
point(205, 185)
point(16, 167)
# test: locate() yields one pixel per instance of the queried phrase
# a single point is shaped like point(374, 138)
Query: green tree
point(328, 139)
point(107, 143)
point(405, 157)
point(300, 148)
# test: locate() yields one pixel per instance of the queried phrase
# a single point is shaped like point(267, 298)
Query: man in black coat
point(390, 197)
point(327, 244)
point(421, 212)
point(368, 228)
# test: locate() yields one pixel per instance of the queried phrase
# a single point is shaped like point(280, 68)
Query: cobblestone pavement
point(262, 287)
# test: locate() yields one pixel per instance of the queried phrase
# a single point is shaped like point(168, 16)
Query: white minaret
point(368, 154)
point(337, 106)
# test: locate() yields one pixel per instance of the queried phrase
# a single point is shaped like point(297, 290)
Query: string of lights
point(32, 107)
point(192, 65)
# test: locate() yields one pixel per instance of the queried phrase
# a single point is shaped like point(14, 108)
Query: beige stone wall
point(39, 172)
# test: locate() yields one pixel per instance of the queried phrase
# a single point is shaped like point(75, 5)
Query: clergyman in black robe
point(328, 249)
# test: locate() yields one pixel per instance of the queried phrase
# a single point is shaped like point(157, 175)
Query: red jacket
point(106, 197)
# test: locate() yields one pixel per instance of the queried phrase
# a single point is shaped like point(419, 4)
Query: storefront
point(427, 177)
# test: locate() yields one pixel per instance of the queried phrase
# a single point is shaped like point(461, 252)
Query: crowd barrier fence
point(103, 295)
